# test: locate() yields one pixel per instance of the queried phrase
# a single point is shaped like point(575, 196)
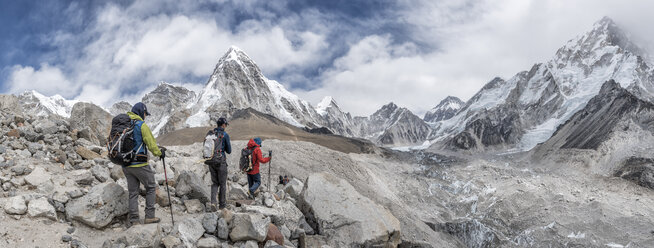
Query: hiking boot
point(151, 220)
point(212, 207)
point(250, 195)
point(129, 224)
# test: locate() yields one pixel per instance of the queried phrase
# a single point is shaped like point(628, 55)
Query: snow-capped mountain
point(336, 120)
point(162, 102)
point(444, 110)
point(613, 110)
point(37, 104)
point(392, 125)
point(526, 109)
point(237, 83)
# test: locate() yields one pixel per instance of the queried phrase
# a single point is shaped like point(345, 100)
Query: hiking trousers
point(254, 181)
point(136, 176)
point(219, 181)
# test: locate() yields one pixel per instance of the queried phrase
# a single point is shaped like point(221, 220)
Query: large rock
point(98, 208)
point(37, 177)
point(190, 185)
point(222, 229)
point(193, 206)
point(144, 235)
point(336, 210)
point(294, 188)
point(189, 231)
point(90, 117)
point(10, 104)
point(249, 227)
point(101, 173)
point(210, 242)
point(274, 234)
point(15, 205)
point(41, 208)
point(209, 222)
point(82, 177)
point(46, 126)
point(86, 153)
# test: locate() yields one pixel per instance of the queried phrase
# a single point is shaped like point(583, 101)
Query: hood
point(252, 144)
point(134, 116)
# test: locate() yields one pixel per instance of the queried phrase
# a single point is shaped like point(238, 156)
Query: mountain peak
point(325, 103)
point(236, 54)
point(446, 109)
point(605, 33)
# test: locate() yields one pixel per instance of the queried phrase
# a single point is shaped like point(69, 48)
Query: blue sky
point(363, 53)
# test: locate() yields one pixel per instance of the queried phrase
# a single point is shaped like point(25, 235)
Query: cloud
point(363, 53)
point(467, 44)
point(127, 50)
point(47, 79)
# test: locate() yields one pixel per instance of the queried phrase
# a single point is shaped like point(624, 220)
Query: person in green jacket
point(139, 172)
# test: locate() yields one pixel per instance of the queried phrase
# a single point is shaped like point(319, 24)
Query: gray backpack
point(212, 150)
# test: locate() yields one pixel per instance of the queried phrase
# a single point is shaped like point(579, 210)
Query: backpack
point(212, 150)
point(245, 163)
point(120, 145)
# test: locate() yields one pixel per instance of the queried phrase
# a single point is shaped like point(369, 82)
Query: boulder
point(38, 177)
point(15, 205)
point(171, 241)
point(46, 126)
point(41, 208)
point(117, 172)
point(98, 208)
point(10, 104)
point(249, 227)
point(237, 192)
point(190, 185)
point(148, 235)
point(162, 197)
point(222, 229)
point(82, 177)
point(194, 206)
point(210, 242)
point(88, 117)
point(189, 231)
point(209, 222)
point(274, 235)
point(335, 209)
point(101, 173)
point(294, 188)
point(86, 153)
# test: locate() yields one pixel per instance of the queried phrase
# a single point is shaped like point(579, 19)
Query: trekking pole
point(269, 175)
point(170, 203)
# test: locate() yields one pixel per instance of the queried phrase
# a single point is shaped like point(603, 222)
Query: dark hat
point(140, 109)
point(222, 121)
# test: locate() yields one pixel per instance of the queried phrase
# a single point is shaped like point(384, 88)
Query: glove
point(163, 152)
point(270, 153)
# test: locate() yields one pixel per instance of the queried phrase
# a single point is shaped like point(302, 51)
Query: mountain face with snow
point(237, 83)
point(525, 110)
point(163, 102)
point(446, 109)
point(392, 125)
point(336, 120)
point(37, 104)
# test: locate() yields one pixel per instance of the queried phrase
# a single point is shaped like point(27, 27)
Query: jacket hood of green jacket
point(134, 116)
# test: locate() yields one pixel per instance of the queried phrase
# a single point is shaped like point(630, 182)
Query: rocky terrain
point(557, 156)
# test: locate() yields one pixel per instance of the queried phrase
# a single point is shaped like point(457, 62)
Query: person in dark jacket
point(219, 170)
point(140, 172)
point(254, 178)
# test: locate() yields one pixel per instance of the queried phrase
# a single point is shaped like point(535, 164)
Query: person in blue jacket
point(218, 170)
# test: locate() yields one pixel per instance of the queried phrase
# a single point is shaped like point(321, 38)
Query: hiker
point(139, 170)
point(254, 178)
point(218, 167)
